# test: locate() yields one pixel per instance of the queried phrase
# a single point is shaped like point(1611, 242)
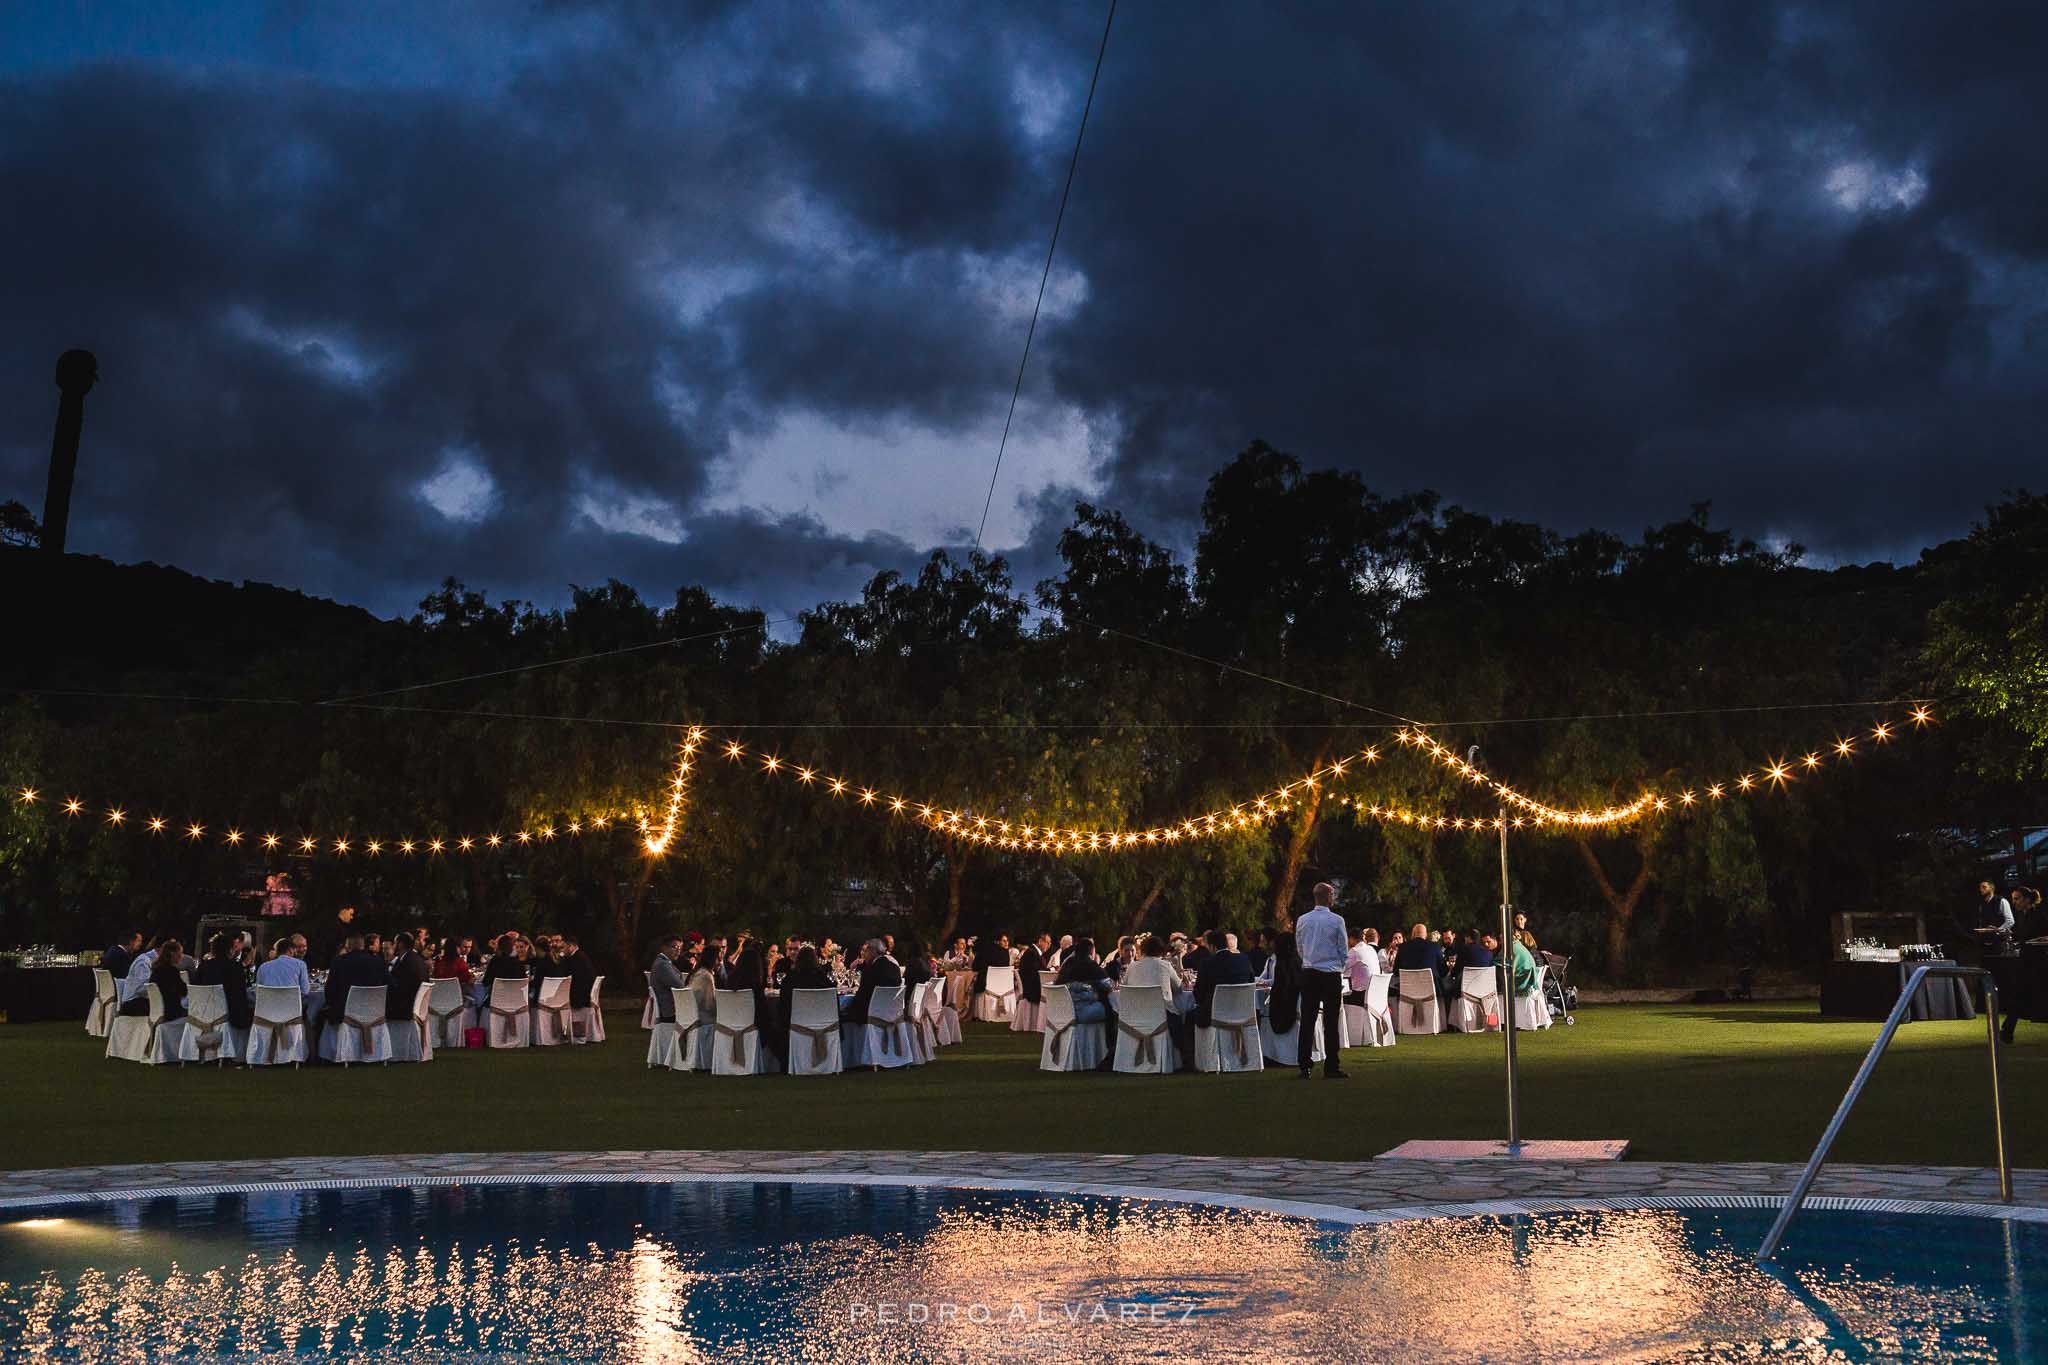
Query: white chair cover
point(277, 1033)
point(1144, 1042)
point(412, 1036)
point(507, 1020)
point(814, 1047)
point(1418, 1010)
point(551, 1012)
point(923, 1046)
point(152, 1039)
point(1068, 1044)
point(649, 1016)
point(885, 1038)
point(1379, 1016)
point(998, 996)
point(1232, 1042)
point(447, 1011)
point(362, 1035)
point(106, 998)
point(1478, 996)
point(1533, 1011)
point(736, 1050)
point(208, 1036)
point(945, 1018)
point(696, 1031)
point(586, 1025)
point(1026, 1017)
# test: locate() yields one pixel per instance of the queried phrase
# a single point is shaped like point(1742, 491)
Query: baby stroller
point(1558, 993)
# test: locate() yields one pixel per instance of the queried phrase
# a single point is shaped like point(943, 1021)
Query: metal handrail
point(1884, 1037)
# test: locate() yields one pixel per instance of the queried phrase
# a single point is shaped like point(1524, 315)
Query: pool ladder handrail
point(1855, 1092)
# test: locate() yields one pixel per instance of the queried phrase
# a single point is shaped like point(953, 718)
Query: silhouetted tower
point(76, 371)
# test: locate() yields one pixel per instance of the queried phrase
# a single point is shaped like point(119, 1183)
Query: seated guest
point(1522, 931)
point(219, 969)
point(357, 966)
point(1421, 953)
point(1126, 953)
point(806, 973)
point(1059, 954)
point(1393, 948)
point(408, 972)
point(581, 971)
point(705, 972)
point(1362, 965)
point(1478, 950)
point(133, 997)
point(288, 968)
point(994, 953)
point(1150, 969)
point(547, 962)
point(1081, 969)
point(664, 976)
point(877, 968)
point(777, 966)
point(1525, 968)
point(956, 958)
point(121, 956)
point(749, 972)
point(1030, 984)
point(915, 961)
point(1268, 959)
point(453, 964)
point(168, 978)
point(508, 963)
point(1221, 968)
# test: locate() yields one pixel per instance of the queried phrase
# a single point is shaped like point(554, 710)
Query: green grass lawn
point(1683, 1083)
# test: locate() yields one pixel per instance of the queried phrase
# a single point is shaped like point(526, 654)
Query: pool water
point(660, 1272)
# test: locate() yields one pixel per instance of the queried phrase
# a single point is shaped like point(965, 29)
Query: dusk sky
point(544, 293)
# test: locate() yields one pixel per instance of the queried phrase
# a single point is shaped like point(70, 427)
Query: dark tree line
point(1128, 689)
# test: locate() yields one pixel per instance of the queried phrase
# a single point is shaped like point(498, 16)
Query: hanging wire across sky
point(1044, 276)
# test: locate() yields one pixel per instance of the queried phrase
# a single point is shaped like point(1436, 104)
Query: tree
point(18, 526)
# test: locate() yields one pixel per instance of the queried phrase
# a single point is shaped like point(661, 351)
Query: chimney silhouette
point(76, 371)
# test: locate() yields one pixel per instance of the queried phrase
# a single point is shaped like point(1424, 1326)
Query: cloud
point(734, 292)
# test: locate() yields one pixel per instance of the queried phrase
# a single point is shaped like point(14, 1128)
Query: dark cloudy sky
point(540, 293)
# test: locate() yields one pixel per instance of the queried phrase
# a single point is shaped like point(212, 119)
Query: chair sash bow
point(364, 1031)
point(509, 1017)
point(272, 1027)
point(1148, 1051)
point(1056, 1041)
point(1237, 1032)
point(738, 1036)
point(209, 1038)
point(820, 1036)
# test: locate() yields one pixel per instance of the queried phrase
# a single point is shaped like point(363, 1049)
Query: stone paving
point(1384, 1184)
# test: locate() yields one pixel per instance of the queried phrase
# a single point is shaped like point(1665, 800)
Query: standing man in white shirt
point(1320, 938)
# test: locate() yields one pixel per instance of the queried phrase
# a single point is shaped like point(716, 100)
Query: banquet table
point(1868, 990)
point(35, 995)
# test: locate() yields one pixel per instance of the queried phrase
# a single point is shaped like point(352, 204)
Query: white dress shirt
point(285, 970)
point(1361, 967)
point(137, 979)
point(1321, 938)
point(1157, 973)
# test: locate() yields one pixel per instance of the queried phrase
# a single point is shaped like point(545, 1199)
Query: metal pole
point(1855, 1092)
point(1997, 1106)
point(76, 373)
point(1507, 969)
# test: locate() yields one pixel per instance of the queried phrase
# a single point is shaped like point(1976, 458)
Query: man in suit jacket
point(1028, 968)
point(877, 968)
point(1220, 968)
point(581, 971)
point(222, 969)
point(121, 956)
point(409, 971)
point(354, 966)
point(663, 978)
point(1198, 951)
point(1420, 954)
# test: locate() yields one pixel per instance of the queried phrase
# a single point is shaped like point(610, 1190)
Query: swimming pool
point(660, 1271)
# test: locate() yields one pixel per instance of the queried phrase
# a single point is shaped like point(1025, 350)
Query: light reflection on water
point(673, 1273)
